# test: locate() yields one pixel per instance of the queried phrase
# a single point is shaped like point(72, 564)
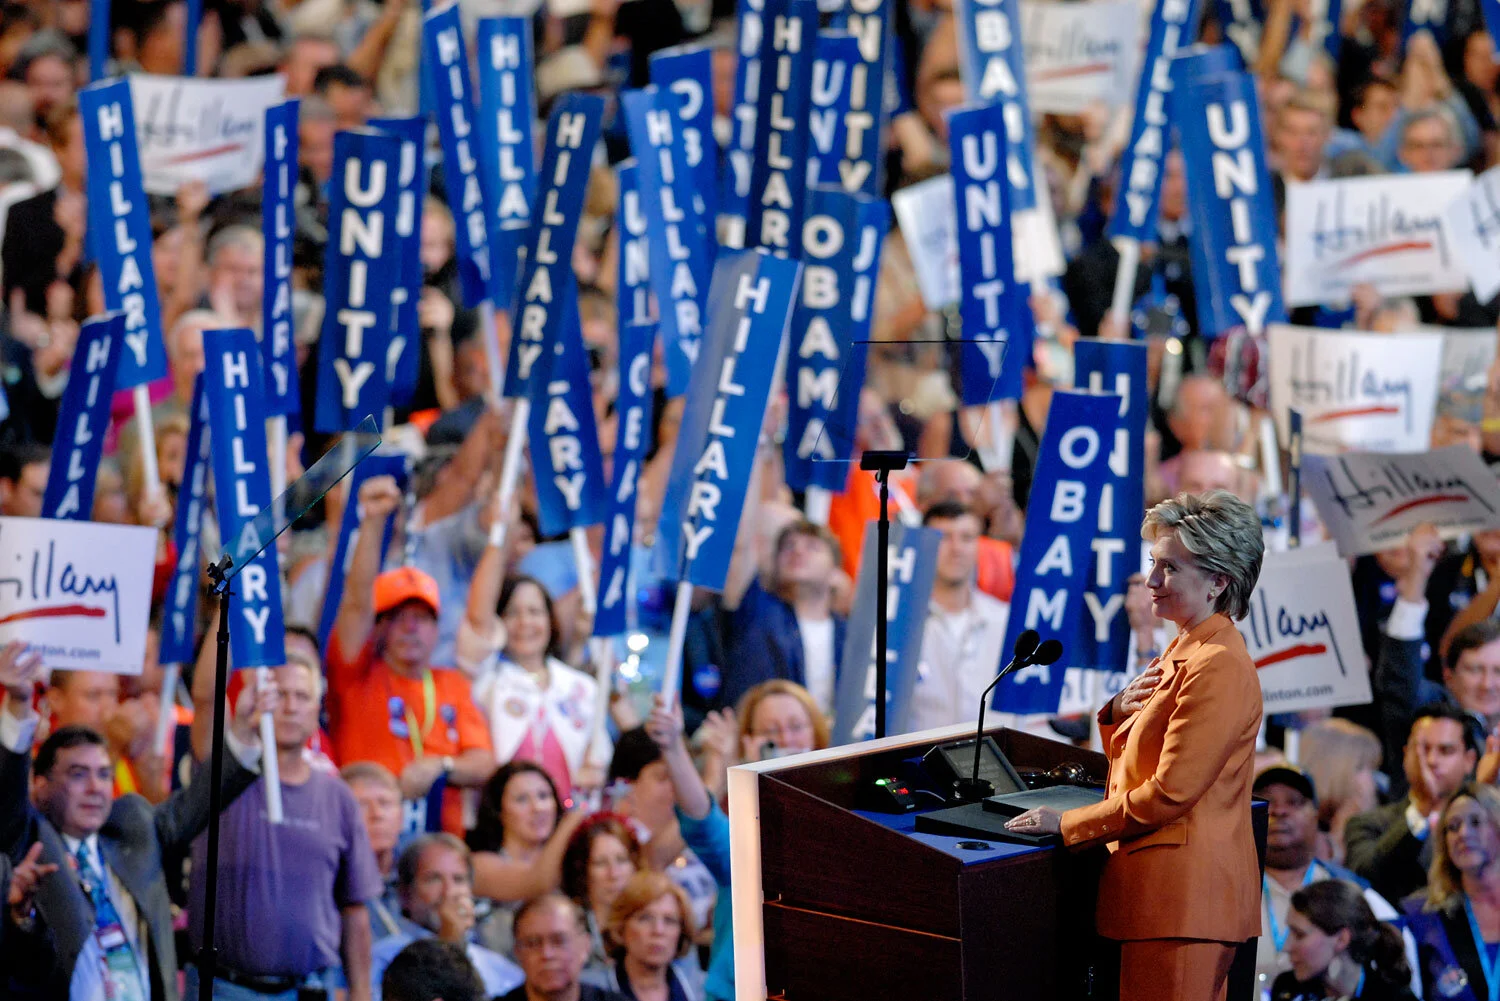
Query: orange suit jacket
point(1176, 813)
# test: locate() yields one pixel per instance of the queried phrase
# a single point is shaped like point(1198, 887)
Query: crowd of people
point(469, 812)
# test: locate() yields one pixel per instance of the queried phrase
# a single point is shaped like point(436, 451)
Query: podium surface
point(833, 900)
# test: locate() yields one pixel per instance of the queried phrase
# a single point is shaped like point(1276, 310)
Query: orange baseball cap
point(396, 587)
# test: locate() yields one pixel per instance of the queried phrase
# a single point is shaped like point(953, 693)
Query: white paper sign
point(1303, 634)
point(1080, 53)
point(1357, 392)
point(77, 591)
point(1388, 230)
point(1467, 357)
point(1370, 502)
point(1474, 225)
point(201, 130)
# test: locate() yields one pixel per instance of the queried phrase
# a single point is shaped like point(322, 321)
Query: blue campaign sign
point(633, 301)
point(360, 267)
point(752, 294)
point(278, 222)
point(1143, 162)
point(991, 60)
point(862, 166)
point(828, 116)
point(688, 72)
point(1491, 11)
point(507, 146)
point(1117, 367)
point(734, 183)
point(1235, 263)
point(99, 40)
point(180, 611)
point(119, 223)
point(778, 171)
point(913, 566)
point(343, 550)
point(242, 486)
point(404, 352)
point(443, 49)
point(676, 241)
point(83, 419)
point(823, 370)
point(992, 304)
point(572, 133)
point(1430, 16)
point(564, 440)
point(632, 442)
point(1071, 471)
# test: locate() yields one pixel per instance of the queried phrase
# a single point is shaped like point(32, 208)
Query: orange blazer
point(1176, 817)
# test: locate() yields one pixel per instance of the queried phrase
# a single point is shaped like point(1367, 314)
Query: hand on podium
point(1042, 820)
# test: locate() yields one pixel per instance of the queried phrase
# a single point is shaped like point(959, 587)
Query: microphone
point(1029, 649)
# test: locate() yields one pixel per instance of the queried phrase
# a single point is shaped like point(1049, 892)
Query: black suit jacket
point(1380, 847)
point(132, 841)
point(29, 254)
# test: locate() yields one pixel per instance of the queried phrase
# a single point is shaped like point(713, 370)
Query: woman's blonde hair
point(1334, 751)
point(1445, 887)
point(644, 889)
point(1224, 536)
point(752, 699)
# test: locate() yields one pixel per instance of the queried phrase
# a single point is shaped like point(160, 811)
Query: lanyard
point(1278, 933)
point(1488, 962)
point(124, 778)
point(429, 714)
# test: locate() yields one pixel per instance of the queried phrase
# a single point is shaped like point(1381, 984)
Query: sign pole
point(671, 675)
point(1124, 293)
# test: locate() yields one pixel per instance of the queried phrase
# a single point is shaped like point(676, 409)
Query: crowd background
point(448, 822)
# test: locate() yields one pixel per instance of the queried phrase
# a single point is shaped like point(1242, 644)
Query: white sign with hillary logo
point(1078, 54)
point(1303, 634)
point(1356, 391)
point(1389, 230)
point(1474, 222)
point(202, 130)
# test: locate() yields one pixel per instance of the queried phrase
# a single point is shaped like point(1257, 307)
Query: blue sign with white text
point(443, 49)
point(862, 166)
point(360, 267)
point(180, 610)
point(752, 295)
point(734, 184)
point(992, 63)
point(572, 132)
point(404, 352)
point(633, 302)
point(242, 487)
point(119, 226)
point(563, 438)
point(1072, 469)
point(828, 111)
point(778, 172)
point(632, 441)
point(687, 71)
point(278, 221)
point(507, 147)
point(83, 419)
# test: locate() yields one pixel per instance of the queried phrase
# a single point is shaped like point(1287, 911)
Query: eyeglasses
point(557, 942)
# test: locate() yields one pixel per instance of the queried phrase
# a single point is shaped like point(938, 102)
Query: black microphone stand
point(974, 788)
point(208, 956)
point(882, 463)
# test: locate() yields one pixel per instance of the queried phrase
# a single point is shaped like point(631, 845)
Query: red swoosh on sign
point(1394, 248)
point(55, 612)
point(1434, 499)
point(1291, 653)
point(204, 154)
point(1087, 70)
point(1337, 415)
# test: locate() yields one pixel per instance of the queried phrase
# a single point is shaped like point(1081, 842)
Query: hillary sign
point(1390, 231)
point(1356, 391)
point(119, 223)
point(1473, 220)
point(687, 71)
point(83, 419)
point(778, 172)
point(242, 485)
point(1371, 502)
point(443, 49)
point(278, 226)
point(507, 149)
point(571, 135)
point(632, 439)
point(1303, 634)
point(1233, 214)
point(912, 565)
point(181, 603)
point(360, 269)
point(1056, 551)
point(752, 293)
point(192, 129)
point(564, 439)
point(1172, 24)
point(1078, 54)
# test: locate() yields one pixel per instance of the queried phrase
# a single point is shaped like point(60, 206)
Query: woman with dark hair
point(518, 840)
point(1339, 949)
point(601, 857)
point(540, 709)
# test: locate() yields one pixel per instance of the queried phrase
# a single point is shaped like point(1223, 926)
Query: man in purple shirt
point(292, 896)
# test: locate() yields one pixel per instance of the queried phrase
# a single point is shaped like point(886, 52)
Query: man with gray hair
point(236, 274)
point(552, 946)
point(1429, 141)
point(17, 124)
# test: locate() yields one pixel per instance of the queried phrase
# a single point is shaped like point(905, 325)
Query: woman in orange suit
point(1181, 888)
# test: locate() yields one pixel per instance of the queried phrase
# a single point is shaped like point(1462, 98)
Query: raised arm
point(500, 878)
point(379, 498)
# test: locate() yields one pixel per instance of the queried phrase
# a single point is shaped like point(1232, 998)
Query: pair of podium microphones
point(1029, 651)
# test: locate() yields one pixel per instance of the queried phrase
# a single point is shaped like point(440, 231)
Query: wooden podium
point(835, 902)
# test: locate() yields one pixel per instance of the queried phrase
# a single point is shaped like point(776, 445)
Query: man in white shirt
point(965, 629)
